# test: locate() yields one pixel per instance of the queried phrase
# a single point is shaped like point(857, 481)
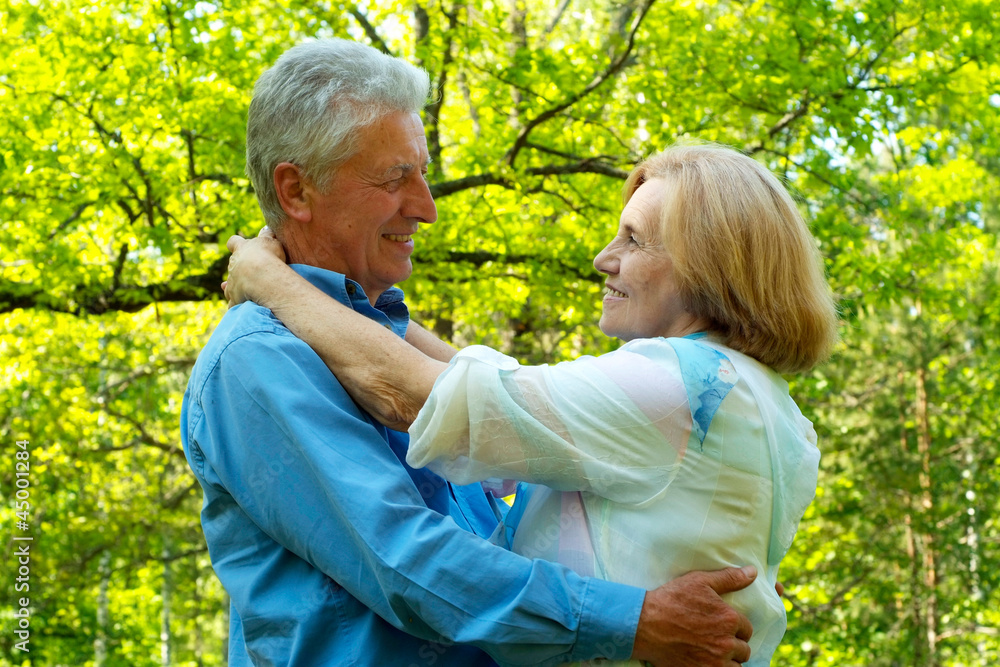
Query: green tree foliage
point(121, 157)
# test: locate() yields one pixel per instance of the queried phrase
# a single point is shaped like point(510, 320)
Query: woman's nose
point(606, 262)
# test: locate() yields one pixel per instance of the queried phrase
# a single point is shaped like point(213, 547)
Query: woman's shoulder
point(696, 356)
point(768, 389)
point(707, 374)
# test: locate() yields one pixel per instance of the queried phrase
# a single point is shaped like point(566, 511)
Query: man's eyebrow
point(402, 166)
point(405, 167)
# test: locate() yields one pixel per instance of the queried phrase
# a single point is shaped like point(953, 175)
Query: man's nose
point(420, 203)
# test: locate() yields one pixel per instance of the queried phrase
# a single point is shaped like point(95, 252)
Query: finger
point(234, 242)
point(266, 232)
point(744, 629)
point(741, 652)
point(731, 579)
point(779, 589)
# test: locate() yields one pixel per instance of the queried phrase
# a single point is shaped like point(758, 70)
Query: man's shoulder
point(248, 320)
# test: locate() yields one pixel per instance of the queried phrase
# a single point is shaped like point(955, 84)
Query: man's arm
point(337, 497)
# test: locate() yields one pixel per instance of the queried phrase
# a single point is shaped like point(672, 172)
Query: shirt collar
point(390, 310)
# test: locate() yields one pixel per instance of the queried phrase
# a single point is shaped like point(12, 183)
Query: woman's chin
point(606, 329)
point(612, 331)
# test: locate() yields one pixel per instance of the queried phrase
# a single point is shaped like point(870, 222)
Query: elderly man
point(333, 550)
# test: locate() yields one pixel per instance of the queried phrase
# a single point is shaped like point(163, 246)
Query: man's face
point(363, 225)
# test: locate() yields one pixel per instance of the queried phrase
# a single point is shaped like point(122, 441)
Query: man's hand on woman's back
point(685, 622)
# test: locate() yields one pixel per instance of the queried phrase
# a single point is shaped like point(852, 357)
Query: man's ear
point(293, 192)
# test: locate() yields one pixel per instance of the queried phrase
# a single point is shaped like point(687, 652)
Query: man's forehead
point(396, 143)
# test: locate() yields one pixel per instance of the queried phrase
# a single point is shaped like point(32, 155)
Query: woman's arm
point(428, 343)
point(618, 425)
point(387, 376)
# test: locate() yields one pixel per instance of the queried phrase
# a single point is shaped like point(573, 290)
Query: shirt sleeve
point(616, 425)
point(337, 497)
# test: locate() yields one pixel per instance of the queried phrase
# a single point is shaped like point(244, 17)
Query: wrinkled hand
point(248, 263)
point(686, 624)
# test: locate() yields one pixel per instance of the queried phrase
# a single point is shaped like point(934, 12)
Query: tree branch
point(554, 21)
point(176, 499)
point(71, 219)
point(119, 266)
point(144, 436)
point(142, 372)
point(583, 166)
point(866, 206)
point(834, 599)
point(370, 31)
point(479, 258)
point(439, 190)
point(126, 298)
point(613, 68)
point(433, 111)
point(132, 298)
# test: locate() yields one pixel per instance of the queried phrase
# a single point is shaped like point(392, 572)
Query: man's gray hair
point(309, 107)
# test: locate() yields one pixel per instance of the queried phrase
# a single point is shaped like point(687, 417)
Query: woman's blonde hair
point(742, 256)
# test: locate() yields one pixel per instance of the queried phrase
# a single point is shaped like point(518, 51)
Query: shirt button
point(351, 289)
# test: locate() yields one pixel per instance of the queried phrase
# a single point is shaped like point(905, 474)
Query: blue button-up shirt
point(334, 551)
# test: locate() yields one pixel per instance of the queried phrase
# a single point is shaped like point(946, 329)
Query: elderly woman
point(680, 451)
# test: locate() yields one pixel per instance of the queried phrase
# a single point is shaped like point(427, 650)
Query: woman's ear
point(293, 192)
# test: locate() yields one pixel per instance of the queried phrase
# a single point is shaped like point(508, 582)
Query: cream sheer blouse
point(663, 457)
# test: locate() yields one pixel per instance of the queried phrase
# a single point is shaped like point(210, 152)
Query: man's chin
point(403, 275)
point(390, 278)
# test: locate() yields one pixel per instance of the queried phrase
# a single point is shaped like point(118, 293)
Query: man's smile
point(401, 238)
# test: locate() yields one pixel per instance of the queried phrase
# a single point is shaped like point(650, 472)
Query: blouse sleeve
point(616, 425)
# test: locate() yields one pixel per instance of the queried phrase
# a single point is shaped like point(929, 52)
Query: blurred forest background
point(121, 176)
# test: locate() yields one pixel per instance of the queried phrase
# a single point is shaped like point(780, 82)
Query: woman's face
point(641, 299)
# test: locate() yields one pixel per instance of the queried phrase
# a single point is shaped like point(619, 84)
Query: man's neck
point(299, 251)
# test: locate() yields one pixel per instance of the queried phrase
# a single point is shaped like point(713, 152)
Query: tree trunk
point(101, 635)
point(518, 40)
point(199, 635)
point(167, 593)
point(927, 504)
point(916, 599)
point(972, 539)
point(225, 633)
